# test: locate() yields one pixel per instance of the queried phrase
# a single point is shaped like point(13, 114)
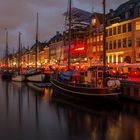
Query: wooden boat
point(18, 78)
point(6, 75)
point(85, 92)
point(35, 75)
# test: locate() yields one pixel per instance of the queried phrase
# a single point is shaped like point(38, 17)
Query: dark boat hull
point(6, 76)
point(84, 94)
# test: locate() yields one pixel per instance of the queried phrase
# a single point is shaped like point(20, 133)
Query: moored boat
point(35, 75)
point(70, 86)
point(18, 78)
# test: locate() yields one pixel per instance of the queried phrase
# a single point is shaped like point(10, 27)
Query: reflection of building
point(123, 33)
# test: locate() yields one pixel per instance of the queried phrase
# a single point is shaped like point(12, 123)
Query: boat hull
point(86, 94)
point(6, 76)
point(18, 78)
point(35, 77)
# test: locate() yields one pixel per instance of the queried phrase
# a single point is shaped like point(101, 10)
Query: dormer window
point(138, 10)
point(93, 22)
point(126, 15)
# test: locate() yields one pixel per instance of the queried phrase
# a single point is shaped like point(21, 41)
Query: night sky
point(20, 15)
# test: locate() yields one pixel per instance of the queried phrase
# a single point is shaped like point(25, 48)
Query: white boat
point(18, 78)
point(36, 77)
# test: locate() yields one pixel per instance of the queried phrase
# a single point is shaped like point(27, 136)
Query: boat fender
point(99, 82)
point(111, 83)
point(118, 83)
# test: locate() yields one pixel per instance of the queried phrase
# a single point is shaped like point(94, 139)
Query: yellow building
point(123, 34)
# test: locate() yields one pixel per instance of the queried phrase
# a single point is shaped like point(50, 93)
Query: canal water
point(31, 113)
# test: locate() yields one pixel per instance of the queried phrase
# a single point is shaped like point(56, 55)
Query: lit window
point(90, 40)
point(124, 42)
point(129, 42)
point(101, 37)
point(93, 21)
point(138, 42)
point(138, 25)
point(97, 38)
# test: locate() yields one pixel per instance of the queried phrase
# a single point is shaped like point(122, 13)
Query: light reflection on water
point(27, 112)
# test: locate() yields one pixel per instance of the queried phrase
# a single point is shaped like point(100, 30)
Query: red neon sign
point(80, 49)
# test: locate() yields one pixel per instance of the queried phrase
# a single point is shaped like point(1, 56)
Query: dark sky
point(20, 15)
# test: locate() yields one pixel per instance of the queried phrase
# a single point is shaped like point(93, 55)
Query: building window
point(106, 33)
point(110, 46)
point(129, 42)
point(119, 43)
point(101, 38)
point(114, 44)
point(106, 45)
point(119, 59)
point(138, 42)
point(119, 29)
point(138, 10)
point(138, 55)
point(126, 15)
point(114, 31)
point(124, 28)
point(110, 58)
point(138, 25)
point(114, 58)
point(90, 40)
point(124, 42)
point(97, 38)
point(110, 32)
point(129, 27)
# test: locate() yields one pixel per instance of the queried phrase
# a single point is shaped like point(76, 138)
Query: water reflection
point(86, 123)
point(28, 112)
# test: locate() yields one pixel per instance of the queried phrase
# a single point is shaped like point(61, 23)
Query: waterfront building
point(32, 54)
point(95, 40)
point(123, 34)
point(56, 49)
point(78, 50)
point(45, 54)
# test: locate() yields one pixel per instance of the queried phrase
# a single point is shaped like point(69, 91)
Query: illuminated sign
point(80, 49)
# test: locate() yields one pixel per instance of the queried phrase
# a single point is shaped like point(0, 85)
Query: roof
point(79, 15)
point(130, 6)
point(56, 37)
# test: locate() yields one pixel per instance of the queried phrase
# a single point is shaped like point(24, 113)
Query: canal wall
point(131, 89)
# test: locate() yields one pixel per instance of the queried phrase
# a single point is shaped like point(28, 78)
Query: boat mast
point(69, 34)
point(36, 42)
point(6, 51)
point(19, 52)
point(104, 38)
